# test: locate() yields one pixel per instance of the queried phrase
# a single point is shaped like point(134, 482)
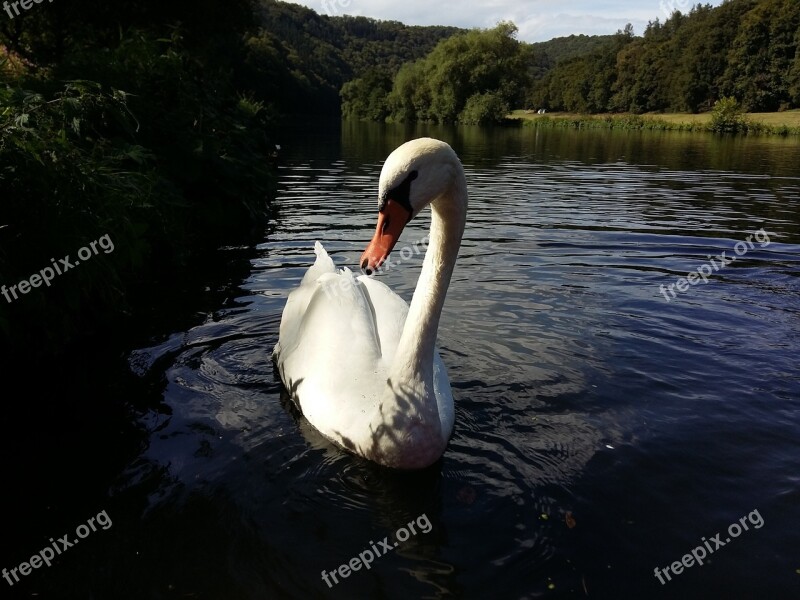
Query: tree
point(468, 76)
point(763, 54)
point(366, 97)
point(793, 80)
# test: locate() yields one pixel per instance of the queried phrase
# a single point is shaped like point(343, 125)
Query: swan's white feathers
point(368, 317)
point(323, 264)
point(297, 303)
point(444, 395)
point(389, 311)
point(329, 323)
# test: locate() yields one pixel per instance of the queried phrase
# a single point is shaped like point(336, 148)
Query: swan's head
point(414, 175)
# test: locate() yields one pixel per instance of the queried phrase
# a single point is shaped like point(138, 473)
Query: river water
point(604, 427)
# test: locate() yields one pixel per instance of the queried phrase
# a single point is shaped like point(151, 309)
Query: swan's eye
point(401, 194)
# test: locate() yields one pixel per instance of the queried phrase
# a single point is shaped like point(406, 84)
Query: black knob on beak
point(365, 267)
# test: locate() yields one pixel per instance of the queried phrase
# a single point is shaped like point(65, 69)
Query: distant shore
point(786, 123)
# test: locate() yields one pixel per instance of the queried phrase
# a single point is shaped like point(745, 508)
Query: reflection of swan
point(360, 362)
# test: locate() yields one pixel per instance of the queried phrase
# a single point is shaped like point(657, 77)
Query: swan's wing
point(340, 315)
point(329, 354)
point(323, 264)
point(444, 395)
point(299, 298)
point(389, 311)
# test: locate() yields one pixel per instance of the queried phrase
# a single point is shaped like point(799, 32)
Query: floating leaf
point(466, 495)
point(570, 520)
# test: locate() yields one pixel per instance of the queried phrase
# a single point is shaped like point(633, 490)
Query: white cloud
point(538, 20)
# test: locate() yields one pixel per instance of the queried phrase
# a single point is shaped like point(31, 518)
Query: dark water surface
point(601, 430)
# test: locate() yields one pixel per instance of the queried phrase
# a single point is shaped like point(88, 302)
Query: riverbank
point(160, 175)
point(779, 123)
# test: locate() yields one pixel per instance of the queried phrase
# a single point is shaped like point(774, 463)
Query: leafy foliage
point(301, 60)
point(471, 77)
point(748, 49)
point(142, 140)
point(69, 166)
point(727, 116)
point(483, 109)
point(546, 55)
point(365, 97)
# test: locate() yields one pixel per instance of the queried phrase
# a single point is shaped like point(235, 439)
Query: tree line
point(744, 49)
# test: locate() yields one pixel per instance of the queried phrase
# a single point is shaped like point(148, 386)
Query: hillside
point(748, 50)
point(308, 57)
point(548, 54)
point(745, 49)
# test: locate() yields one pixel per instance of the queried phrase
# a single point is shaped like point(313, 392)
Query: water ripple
point(578, 385)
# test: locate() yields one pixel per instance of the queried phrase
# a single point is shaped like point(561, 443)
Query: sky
point(538, 20)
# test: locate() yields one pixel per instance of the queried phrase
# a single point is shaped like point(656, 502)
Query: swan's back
point(337, 338)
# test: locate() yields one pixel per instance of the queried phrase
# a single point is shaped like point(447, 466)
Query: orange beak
point(391, 221)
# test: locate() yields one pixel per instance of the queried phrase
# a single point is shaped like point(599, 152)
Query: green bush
point(727, 116)
point(176, 163)
point(70, 173)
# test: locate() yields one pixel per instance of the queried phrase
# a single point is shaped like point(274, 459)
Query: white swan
point(358, 361)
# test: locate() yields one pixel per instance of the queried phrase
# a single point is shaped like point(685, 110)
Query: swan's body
point(359, 362)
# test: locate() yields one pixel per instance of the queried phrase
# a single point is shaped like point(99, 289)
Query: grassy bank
point(779, 123)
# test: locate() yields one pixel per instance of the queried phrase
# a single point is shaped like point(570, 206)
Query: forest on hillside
point(748, 50)
point(544, 56)
point(299, 60)
point(745, 49)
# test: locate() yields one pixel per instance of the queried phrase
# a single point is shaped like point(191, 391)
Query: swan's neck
point(413, 364)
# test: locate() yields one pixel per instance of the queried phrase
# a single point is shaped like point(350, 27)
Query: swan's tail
point(324, 264)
